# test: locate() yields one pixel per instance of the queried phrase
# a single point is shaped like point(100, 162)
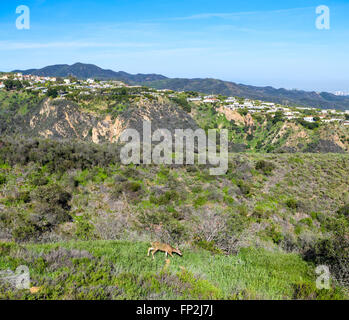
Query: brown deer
point(158, 246)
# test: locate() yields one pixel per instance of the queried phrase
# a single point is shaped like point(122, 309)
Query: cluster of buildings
point(41, 84)
point(90, 86)
point(341, 93)
point(253, 106)
point(32, 79)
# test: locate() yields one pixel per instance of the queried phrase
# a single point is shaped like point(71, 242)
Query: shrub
point(200, 201)
point(119, 178)
point(162, 225)
point(307, 221)
point(39, 180)
point(292, 203)
point(183, 103)
point(344, 210)
point(308, 291)
point(23, 196)
point(52, 92)
point(165, 198)
point(207, 245)
point(244, 187)
point(129, 188)
point(333, 252)
point(116, 191)
point(133, 186)
point(84, 230)
point(53, 195)
point(3, 179)
point(130, 172)
point(52, 206)
point(265, 166)
point(274, 234)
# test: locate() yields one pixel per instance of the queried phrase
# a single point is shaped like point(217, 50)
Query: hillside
point(209, 86)
point(65, 119)
point(99, 120)
point(266, 224)
point(322, 100)
point(84, 71)
point(260, 133)
point(82, 221)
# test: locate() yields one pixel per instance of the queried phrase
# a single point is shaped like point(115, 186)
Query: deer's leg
point(155, 251)
point(150, 249)
point(166, 254)
point(171, 254)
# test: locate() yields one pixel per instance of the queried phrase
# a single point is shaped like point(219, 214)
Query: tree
point(52, 92)
point(243, 112)
point(12, 84)
point(279, 116)
point(73, 79)
point(59, 80)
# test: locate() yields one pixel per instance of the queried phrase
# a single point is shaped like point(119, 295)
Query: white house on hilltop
point(309, 119)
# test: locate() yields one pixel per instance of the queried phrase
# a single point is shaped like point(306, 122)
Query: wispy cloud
point(8, 45)
point(234, 15)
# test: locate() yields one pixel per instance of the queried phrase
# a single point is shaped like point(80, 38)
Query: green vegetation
point(13, 84)
point(82, 221)
point(77, 191)
point(14, 106)
point(121, 270)
point(261, 132)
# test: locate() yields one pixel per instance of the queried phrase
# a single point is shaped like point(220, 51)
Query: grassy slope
point(121, 270)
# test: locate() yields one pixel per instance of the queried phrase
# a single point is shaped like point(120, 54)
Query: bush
point(130, 188)
point(265, 166)
point(344, 210)
point(52, 206)
point(207, 245)
point(333, 252)
point(274, 234)
point(165, 198)
point(23, 196)
point(130, 172)
point(39, 180)
point(52, 92)
point(133, 186)
point(308, 291)
point(244, 187)
point(292, 203)
point(3, 179)
point(163, 226)
point(57, 156)
point(84, 230)
point(116, 191)
point(183, 103)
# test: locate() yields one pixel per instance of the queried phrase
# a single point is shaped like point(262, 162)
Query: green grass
point(121, 270)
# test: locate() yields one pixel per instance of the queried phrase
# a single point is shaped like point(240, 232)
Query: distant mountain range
point(323, 100)
point(85, 71)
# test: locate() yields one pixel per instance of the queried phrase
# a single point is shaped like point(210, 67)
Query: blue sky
point(252, 42)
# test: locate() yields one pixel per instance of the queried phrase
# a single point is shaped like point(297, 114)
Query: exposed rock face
point(162, 114)
point(63, 119)
point(60, 119)
point(246, 121)
point(108, 130)
point(293, 134)
point(232, 115)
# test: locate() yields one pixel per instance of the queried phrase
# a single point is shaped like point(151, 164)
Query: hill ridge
point(323, 100)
